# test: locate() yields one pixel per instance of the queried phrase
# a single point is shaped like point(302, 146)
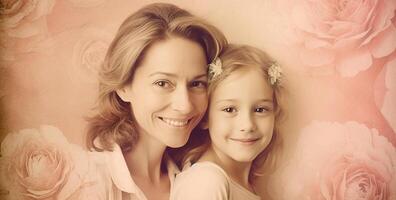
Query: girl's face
point(168, 91)
point(241, 116)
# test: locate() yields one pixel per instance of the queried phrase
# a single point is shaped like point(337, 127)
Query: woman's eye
point(198, 84)
point(162, 83)
point(229, 109)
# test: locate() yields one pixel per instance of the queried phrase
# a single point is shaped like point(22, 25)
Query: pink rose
point(351, 178)
point(88, 53)
point(98, 180)
point(345, 34)
point(334, 161)
point(22, 24)
point(41, 164)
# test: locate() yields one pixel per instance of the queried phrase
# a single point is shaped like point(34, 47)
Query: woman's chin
point(176, 142)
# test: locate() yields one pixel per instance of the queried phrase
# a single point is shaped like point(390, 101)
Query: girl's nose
point(247, 123)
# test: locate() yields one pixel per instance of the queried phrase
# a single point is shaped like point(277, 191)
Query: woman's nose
point(181, 100)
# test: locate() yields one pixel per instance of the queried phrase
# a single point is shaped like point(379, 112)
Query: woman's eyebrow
point(204, 75)
point(201, 76)
point(163, 73)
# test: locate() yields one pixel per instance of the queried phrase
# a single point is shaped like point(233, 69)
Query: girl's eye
point(198, 84)
point(263, 110)
point(163, 83)
point(260, 110)
point(229, 109)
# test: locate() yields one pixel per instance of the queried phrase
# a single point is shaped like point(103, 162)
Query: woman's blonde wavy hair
point(113, 121)
point(233, 58)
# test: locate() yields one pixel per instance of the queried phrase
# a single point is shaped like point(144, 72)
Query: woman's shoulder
point(203, 180)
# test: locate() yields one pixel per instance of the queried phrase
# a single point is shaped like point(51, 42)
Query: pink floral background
point(339, 59)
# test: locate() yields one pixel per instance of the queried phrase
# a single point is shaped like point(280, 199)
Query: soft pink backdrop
point(338, 57)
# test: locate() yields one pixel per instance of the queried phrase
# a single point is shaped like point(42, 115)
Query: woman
point(152, 94)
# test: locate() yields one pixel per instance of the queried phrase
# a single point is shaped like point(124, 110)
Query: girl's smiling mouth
point(246, 141)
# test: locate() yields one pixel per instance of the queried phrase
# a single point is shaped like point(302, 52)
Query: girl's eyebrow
point(222, 100)
point(233, 100)
point(266, 100)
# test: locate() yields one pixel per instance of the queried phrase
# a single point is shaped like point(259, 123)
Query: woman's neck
point(238, 171)
point(145, 159)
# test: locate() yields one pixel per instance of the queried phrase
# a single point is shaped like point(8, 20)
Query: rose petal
point(324, 190)
point(385, 43)
point(42, 8)
point(341, 29)
point(381, 20)
point(360, 11)
point(380, 88)
point(352, 63)
point(53, 135)
point(317, 57)
point(14, 142)
point(28, 29)
point(314, 43)
point(300, 18)
point(388, 108)
point(350, 42)
point(15, 14)
point(390, 76)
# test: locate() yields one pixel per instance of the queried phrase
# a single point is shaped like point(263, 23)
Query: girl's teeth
point(177, 123)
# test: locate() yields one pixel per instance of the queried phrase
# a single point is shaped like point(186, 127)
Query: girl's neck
point(145, 159)
point(237, 171)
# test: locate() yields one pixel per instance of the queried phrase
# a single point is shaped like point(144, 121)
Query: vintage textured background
point(339, 59)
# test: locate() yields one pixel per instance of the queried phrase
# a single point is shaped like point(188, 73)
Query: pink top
point(206, 180)
point(113, 177)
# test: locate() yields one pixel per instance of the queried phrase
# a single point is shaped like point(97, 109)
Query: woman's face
point(168, 91)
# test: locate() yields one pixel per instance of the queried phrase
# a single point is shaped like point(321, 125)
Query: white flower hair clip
point(215, 69)
point(274, 73)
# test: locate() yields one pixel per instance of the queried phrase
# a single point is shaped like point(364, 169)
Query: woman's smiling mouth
point(179, 123)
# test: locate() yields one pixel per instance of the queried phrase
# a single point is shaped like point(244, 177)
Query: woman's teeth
point(175, 122)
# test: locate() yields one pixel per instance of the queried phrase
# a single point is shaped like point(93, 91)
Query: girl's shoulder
point(206, 169)
point(202, 180)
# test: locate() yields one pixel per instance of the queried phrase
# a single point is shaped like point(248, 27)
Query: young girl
point(241, 121)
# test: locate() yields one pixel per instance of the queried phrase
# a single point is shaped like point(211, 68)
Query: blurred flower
point(89, 52)
point(22, 24)
point(346, 34)
point(334, 161)
point(97, 180)
point(41, 164)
